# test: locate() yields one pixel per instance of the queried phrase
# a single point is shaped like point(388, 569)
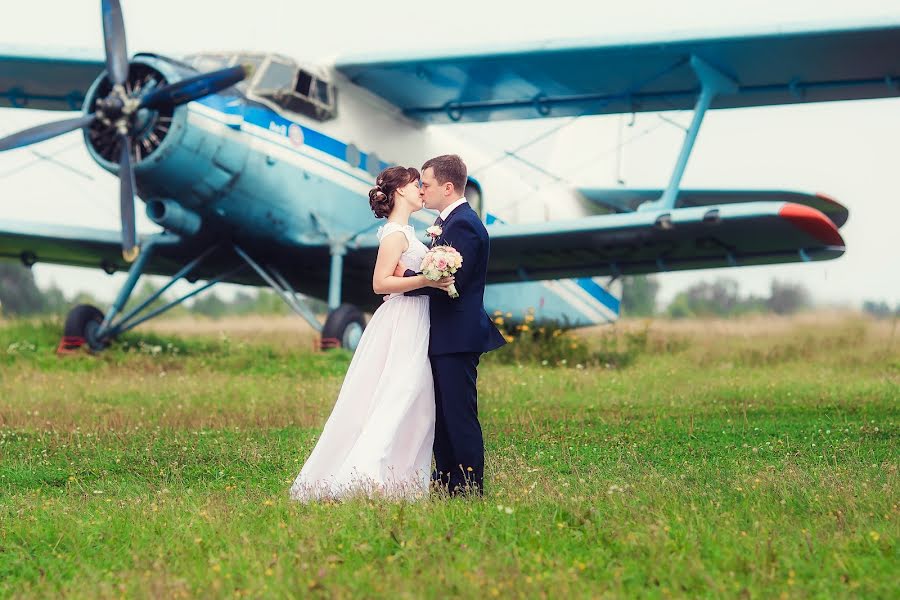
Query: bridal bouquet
point(442, 261)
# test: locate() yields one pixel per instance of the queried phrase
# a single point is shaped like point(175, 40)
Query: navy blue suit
point(460, 332)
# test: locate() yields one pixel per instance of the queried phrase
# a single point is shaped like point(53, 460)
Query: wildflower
point(874, 535)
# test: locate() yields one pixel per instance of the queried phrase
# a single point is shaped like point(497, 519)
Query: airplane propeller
point(123, 112)
point(33, 135)
point(114, 41)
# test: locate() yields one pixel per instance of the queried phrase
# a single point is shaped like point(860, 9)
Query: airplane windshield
point(276, 77)
point(287, 86)
point(278, 82)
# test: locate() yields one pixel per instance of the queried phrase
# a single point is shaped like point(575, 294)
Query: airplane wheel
point(343, 328)
point(82, 323)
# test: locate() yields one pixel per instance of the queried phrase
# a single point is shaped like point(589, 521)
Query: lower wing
point(703, 237)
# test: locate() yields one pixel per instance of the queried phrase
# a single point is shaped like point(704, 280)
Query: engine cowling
point(154, 131)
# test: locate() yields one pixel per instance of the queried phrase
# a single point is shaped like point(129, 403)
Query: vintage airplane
point(256, 167)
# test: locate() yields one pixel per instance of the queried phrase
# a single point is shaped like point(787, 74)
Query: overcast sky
point(847, 150)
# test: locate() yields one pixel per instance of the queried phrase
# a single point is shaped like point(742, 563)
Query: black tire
point(343, 328)
point(83, 322)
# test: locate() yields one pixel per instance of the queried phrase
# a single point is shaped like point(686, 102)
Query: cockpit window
point(279, 82)
point(295, 89)
point(276, 78)
point(323, 92)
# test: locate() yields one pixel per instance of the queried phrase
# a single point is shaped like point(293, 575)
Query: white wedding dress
point(378, 439)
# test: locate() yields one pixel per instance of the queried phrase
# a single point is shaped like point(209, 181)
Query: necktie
point(439, 221)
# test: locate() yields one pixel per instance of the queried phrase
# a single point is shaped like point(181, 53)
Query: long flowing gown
point(378, 439)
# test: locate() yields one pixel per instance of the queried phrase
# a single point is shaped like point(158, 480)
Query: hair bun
point(381, 197)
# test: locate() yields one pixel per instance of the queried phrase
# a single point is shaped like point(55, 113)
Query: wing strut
point(713, 82)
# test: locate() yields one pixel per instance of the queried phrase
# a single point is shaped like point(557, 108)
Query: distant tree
point(786, 298)
point(210, 305)
point(244, 303)
point(55, 302)
point(19, 294)
point(704, 299)
point(269, 303)
point(679, 307)
point(720, 298)
point(639, 295)
point(880, 310)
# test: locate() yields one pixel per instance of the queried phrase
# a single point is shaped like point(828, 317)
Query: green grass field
point(750, 459)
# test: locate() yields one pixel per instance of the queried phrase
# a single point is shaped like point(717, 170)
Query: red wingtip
point(812, 222)
point(828, 198)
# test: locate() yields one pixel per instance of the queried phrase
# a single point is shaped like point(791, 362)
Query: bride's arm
point(383, 279)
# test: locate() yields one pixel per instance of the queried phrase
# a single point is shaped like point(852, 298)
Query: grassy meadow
point(754, 458)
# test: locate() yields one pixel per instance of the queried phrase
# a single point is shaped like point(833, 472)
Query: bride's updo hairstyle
point(381, 197)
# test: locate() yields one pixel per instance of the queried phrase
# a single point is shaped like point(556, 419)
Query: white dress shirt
point(446, 212)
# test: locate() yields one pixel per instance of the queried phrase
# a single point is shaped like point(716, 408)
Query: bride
point(378, 439)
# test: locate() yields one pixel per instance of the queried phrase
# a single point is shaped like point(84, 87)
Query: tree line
point(20, 296)
point(722, 298)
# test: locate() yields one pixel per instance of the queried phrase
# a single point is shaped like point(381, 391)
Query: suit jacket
point(461, 324)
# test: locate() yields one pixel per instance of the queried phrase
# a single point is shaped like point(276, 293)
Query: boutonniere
point(435, 232)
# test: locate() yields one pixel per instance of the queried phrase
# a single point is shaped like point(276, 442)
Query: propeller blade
point(114, 41)
point(195, 87)
point(44, 132)
point(126, 201)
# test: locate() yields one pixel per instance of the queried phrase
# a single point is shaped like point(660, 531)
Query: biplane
point(256, 166)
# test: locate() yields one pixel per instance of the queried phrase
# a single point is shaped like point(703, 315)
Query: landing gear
point(343, 328)
point(86, 325)
point(82, 326)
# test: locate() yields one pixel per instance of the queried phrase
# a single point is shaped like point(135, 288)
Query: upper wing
point(777, 66)
point(744, 234)
point(628, 200)
point(35, 78)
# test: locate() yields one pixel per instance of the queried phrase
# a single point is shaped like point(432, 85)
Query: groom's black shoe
point(471, 490)
point(468, 484)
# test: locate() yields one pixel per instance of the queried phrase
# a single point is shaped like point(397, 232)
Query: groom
point(460, 329)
